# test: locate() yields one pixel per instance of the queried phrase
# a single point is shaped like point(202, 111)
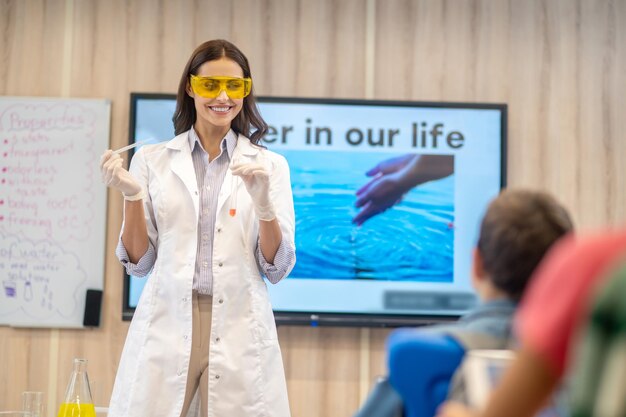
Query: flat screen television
point(407, 265)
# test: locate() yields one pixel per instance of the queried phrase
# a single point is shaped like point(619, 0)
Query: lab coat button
point(219, 230)
point(221, 301)
point(217, 339)
point(220, 264)
point(217, 377)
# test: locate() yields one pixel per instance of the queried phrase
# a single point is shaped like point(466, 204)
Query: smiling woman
point(218, 59)
point(205, 314)
point(218, 90)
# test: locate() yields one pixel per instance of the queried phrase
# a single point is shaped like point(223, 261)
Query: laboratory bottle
point(77, 401)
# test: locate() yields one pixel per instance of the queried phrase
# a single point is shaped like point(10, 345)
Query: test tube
point(133, 145)
point(233, 186)
point(233, 197)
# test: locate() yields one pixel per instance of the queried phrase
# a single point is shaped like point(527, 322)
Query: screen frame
point(338, 319)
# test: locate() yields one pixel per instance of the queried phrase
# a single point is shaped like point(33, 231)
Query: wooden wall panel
point(557, 63)
point(31, 46)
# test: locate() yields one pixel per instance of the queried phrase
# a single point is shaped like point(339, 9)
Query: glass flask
point(77, 401)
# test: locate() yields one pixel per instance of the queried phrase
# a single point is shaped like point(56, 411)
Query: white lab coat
point(246, 376)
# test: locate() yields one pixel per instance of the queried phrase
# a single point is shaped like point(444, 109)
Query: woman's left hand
point(256, 178)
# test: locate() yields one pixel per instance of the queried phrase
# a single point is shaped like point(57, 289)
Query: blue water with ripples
point(413, 241)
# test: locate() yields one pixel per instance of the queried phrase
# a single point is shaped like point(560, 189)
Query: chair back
point(421, 365)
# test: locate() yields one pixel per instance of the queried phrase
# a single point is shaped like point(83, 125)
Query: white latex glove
point(256, 178)
point(114, 175)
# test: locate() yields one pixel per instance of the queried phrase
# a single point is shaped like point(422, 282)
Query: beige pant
point(199, 361)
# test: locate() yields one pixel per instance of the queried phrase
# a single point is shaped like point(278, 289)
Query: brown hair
point(185, 114)
point(516, 232)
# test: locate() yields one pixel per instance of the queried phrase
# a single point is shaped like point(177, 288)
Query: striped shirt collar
point(228, 142)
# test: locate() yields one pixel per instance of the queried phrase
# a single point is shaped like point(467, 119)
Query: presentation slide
point(373, 236)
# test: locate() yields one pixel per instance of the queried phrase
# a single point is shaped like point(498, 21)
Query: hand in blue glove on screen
point(396, 176)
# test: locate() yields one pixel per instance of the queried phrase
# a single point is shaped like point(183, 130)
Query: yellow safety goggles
point(211, 87)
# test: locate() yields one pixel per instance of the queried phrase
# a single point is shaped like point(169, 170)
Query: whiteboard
point(52, 208)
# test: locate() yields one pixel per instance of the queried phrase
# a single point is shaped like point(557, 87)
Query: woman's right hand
point(114, 175)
